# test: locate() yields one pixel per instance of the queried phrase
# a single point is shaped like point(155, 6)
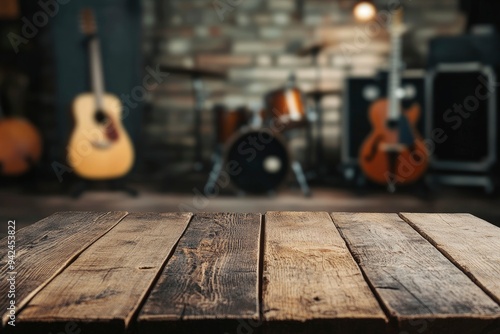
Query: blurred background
point(247, 105)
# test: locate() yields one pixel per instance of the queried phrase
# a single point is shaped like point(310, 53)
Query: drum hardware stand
point(196, 75)
point(213, 177)
point(311, 118)
point(199, 97)
point(317, 96)
point(301, 178)
point(298, 171)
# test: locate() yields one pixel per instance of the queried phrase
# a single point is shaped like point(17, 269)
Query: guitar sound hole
point(416, 157)
point(100, 117)
point(392, 124)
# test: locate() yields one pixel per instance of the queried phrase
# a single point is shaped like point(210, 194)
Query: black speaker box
point(360, 93)
point(466, 48)
point(462, 107)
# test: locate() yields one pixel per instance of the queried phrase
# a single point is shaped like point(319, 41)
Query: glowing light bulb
point(364, 11)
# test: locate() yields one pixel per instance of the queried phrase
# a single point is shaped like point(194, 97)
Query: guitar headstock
point(88, 23)
point(397, 26)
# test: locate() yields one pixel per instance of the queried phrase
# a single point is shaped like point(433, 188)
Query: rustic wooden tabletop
point(282, 272)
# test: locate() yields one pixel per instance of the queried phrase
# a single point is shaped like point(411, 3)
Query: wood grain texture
point(422, 291)
point(211, 280)
point(45, 248)
point(311, 282)
point(103, 288)
point(471, 243)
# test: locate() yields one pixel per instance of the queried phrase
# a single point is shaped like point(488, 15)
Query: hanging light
point(365, 10)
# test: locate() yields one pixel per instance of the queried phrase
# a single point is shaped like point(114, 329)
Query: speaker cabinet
point(461, 117)
point(360, 93)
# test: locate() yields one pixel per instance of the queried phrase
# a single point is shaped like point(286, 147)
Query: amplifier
point(462, 106)
point(360, 93)
point(466, 48)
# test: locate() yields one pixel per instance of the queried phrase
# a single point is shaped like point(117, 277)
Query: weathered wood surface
point(422, 291)
point(289, 272)
point(44, 249)
point(471, 243)
point(103, 288)
point(211, 280)
point(311, 283)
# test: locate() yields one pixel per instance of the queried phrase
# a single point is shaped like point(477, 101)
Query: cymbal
point(313, 49)
point(193, 72)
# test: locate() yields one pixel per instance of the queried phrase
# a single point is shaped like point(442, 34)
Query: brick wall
point(255, 42)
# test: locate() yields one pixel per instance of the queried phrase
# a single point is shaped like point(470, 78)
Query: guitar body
point(99, 150)
point(383, 158)
point(20, 146)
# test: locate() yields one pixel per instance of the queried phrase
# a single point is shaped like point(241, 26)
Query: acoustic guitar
point(99, 147)
point(394, 153)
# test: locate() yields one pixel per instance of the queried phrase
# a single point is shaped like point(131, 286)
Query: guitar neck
point(395, 77)
point(96, 72)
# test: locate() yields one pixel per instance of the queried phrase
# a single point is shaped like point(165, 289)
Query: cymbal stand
point(319, 114)
point(199, 99)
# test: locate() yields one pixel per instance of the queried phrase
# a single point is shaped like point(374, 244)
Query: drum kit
point(251, 148)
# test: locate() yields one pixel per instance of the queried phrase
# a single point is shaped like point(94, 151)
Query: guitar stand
point(114, 185)
point(28, 180)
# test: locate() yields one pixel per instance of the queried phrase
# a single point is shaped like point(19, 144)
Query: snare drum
point(258, 159)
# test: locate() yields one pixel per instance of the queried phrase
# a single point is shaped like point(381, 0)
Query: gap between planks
point(482, 311)
point(312, 281)
point(473, 270)
point(67, 305)
point(187, 297)
point(25, 300)
point(132, 326)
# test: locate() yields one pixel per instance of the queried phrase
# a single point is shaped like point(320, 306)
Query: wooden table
point(282, 272)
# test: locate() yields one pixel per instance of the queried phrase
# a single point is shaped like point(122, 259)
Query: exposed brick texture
point(255, 42)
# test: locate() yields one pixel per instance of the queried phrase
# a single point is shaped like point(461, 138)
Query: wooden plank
point(471, 243)
point(45, 248)
point(211, 283)
point(421, 290)
point(103, 288)
point(311, 282)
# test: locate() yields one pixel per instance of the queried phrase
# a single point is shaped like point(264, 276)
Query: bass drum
point(259, 160)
